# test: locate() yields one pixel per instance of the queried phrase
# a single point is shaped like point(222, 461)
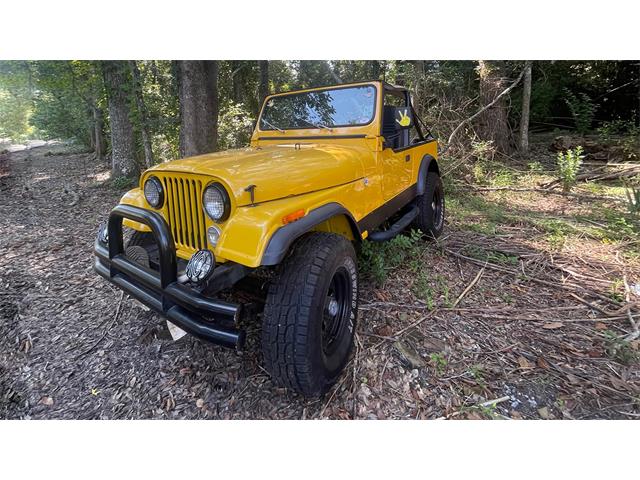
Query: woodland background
point(527, 307)
point(137, 113)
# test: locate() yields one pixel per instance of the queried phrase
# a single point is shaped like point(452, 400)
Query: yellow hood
point(277, 171)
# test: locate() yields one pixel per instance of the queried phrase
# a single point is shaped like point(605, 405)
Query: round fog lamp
point(200, 266)
point(214, 235)
point(103, 232)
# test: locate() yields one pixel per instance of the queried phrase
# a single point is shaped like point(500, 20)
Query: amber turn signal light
point(292, 217)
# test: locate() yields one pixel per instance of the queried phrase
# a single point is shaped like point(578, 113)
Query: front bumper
point(206, 318)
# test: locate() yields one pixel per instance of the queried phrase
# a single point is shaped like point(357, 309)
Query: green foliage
point(15, 113)
point(378, 258)
point(622, 133)
point(422, 289)
point(61, 117)
point(535, 167)
point(568, 166)
point(439, 362)
point(477, 372)
point(582, 110)
point(235, 127)
point(16, 107)
point(620, 349)
point(633, 199)
point(122, 183)
point(489, 255)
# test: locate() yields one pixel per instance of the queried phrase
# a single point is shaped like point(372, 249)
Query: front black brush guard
point(206, 318)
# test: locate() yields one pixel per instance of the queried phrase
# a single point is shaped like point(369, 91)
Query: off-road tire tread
point(286, 317)
point(424, 220)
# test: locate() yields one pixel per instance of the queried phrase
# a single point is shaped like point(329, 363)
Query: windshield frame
point(318, 90)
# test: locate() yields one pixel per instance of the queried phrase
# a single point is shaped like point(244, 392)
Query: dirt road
point(72, 347)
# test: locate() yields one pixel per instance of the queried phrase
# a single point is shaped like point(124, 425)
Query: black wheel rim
point(337, 309)
point(436, 207)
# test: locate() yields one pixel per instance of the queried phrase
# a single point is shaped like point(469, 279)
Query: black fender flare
point(281, 240)
point(427, 164)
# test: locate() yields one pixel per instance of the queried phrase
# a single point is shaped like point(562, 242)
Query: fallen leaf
point(515, 415)
point(380, 295)
point(600, 326)
point(48, 401)
point(544, 413)
point(542, 363)
point(384, 331)
point(200, 403)
point(553, 325)
point(524, 363)
point(595, 353)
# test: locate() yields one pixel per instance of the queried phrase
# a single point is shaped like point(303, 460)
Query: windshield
point(338, 107)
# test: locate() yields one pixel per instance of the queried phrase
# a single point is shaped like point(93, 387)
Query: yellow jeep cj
point(326, 168)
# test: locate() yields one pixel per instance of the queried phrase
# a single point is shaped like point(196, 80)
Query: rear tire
point(430, 217)
point(310, 314)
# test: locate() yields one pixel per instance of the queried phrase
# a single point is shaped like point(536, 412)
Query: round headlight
point(216, 202)
point(153, 192)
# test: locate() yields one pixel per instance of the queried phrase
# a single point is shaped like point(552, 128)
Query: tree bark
point(263, 90)
point(198, 92)
point(526, 103)
point(122, 142)
point(142, 112)
point(493, 124)
point(98, 133)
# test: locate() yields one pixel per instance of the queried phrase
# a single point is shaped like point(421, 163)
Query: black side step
point(396, 228)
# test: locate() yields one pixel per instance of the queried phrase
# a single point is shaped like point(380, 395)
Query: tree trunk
point(493, 124)
point(98, 133)
point(198, 92)
point(142, 112)
point(526, 103)
point(263, 90)
point(122, 143)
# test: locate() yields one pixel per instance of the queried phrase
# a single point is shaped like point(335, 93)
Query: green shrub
point(568, 167)
point(235, 126)
point(628, 136)
point(377, 258)
point(582, 110)
point(633, 198)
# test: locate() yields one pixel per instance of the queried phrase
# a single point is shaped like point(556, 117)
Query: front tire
point(430, 217)
point(310, 314)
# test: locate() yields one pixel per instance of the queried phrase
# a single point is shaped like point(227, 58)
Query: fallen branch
point(546, 191)
point(565, 286)
point(106, 330)
point(469, 287)
point(627, 296)
point(592, 176)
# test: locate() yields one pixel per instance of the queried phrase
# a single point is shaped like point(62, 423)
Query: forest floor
point(519, 311)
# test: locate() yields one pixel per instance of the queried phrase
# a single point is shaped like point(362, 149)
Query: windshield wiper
point(318, 125)
point(272, 125)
